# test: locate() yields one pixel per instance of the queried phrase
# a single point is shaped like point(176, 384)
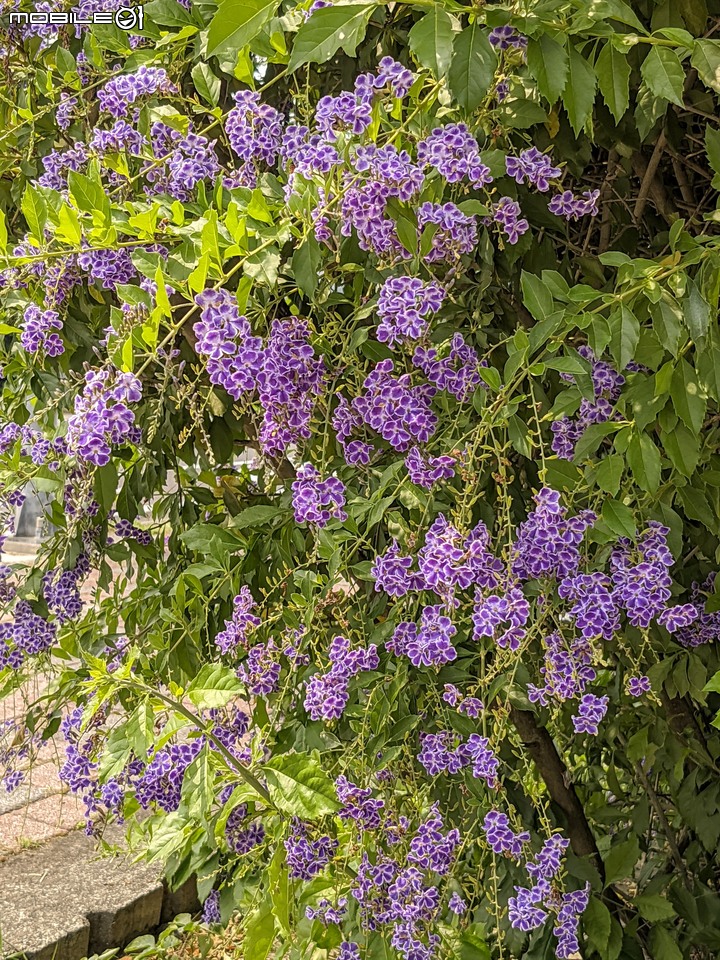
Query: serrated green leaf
point(609, 473)
point(644, 461)
point(579, 93)
point(235, 25)
point(621, 860)
point(613, 73)
point(34, 210)
point(695, 311)
point(327, 30)
point(663, 73)
point(682, 448)
point(206, 83)
point(706, 60)
point(214, 686)
point(625, 329)
point(664, 945)
point(688, 399)
point(472, 68)
point(431, 41)
point(654, 907)
point(548, 63)
point(300, 787)
point(619, 518)
point(536, 296)
point(260, 933)
point(667, 324)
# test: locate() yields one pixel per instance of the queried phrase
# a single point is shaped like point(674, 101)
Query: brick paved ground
point(42, 807)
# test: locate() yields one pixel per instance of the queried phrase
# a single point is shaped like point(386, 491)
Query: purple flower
point(403, 305)
point(506, 213)
point(501, 838)
point(427, 472)
point(305, 857)
point(454, 153)
point(456, 232)
point(457, 904)
point(506, 36)
point(534, 167)
point(122, 91)
point(242, 622)
point(590, 712)
point(38, 335)
point(317, 501)
point(637, 686)
point(675, 618)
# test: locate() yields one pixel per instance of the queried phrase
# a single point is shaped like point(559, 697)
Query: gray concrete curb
point(62, 902)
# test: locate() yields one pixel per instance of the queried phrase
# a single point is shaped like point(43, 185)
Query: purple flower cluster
point(187, 160)
point(102, 416)
point(255, 133)
point(607, 385)
point(427, 471)
point(346, 421)
point(455, 232)
point(428, 644)
point(57, 163)
point(443, 752)
point(61, 592)
point(317, 501)
point(260, 672)
point(241, 836)
point(243, 621)
point(490, 612)
point(403, 305)
point(119, 93)
point(358, 805)
point(457, 372)
point(706, 627)
point(637, 686)
point(507, 213)
point(327, 694)
point(39, 331)
point(399, 412)
point(547, 543)
point(307, 858)
point(454, 153)
point(109, 267)
point(160, 782)
point(224, 338)
point(566, 668)
point(326, 913)
point(533, 167)
point(567, 205)
point(590, 712)
point(643, 588)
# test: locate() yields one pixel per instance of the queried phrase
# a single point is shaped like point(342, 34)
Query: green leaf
point(653, 907)
point(625, 329)
point(712, 148)
point(472, 68)
point(609, 473)
point(255, 517)
point(206, 83)
point(89, 195)
point(664, 945)
point(161, 297)
point(259, 933)
point(236, 24)
point(3, 231)
point(214, 686)
point(305, 264)
point(263, 265)
point(299, 786)
point(327, 30)
point(663, 73)
point(521, 113)
point(682, 448)
point(706, 60)
point(621, 860)
point(614, 10)
point(688, 399)
point(69, 225)
point(431, 41)
point(644, 461)
point(596, 923)
point(537, 297)
point(579, 93)
point(548, 63)
point(619, 518)
point(169, 13)
point(613, 73)
point(696, 312)
point(34, 210)
point(667, 324)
